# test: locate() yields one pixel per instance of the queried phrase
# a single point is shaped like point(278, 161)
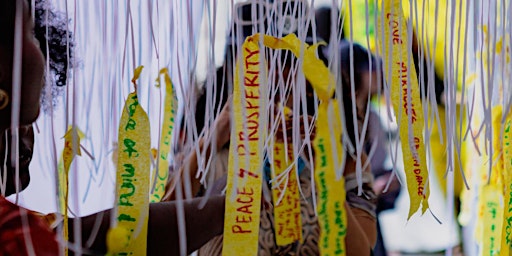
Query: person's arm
point(361, 231)
point(362, 227)
point(163, 232)
point(187, 173)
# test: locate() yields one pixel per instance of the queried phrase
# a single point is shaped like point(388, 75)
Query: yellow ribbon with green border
point(129, 235)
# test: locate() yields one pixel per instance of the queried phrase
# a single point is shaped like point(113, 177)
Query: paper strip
point(287, 218)
point(406, 100)
point(170, 104)
point(507, 162)
point(243, 194)
point(71, 148)
point(331, 190)
point(129, 235)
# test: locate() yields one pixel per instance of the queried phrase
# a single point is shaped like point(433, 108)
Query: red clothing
point(13, 234)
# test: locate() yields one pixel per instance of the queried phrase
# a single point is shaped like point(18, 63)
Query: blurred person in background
point(23, 232)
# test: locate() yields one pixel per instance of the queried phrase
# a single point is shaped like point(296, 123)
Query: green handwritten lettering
point(130, 125)
point(125, 217)
point(132, 107)
point(130, 147)
point(129, 169)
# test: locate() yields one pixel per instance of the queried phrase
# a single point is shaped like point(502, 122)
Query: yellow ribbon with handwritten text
point(492, 215)
point(162, 173)
point(331, 189)
point(507, 168)
point(498, 176)
point(328, 149)
point(287, 218)
point(406, 100)
point(244, 176)
point(491, 226)
point(129, 235)
point(243, 194)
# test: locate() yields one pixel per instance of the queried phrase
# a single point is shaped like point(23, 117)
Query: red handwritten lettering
point(395, 29)
point(237, 229)
point(242, 219)
point(242, 173)
point(410, 111)
point(251, 53)
point(250, 106)
point(245, 209)
point(242, 150)
point(251, 96)
point(251, 81)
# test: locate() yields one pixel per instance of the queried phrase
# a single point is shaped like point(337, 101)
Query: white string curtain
point(113, 37)
point(109, 45)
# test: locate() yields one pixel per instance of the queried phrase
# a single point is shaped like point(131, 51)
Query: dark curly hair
point(58, 38)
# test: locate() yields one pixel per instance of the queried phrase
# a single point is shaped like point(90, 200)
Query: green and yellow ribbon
point(507, 165)
point(162, 173)
point(331, 189)
point(129, 235)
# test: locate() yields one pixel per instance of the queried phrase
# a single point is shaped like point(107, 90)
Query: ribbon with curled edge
point(71, 149)
point(129, 234)
point(405, 97)
point(162, 173)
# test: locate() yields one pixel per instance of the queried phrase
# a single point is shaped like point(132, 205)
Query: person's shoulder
point(5, 208)
point(14, 232)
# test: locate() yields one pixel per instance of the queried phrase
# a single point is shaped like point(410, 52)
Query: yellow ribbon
point(492, 225)
point(315, 71)
point(243, 194)
point(492, 216)
point(507, 162)
point(288, 222)
point(71, 148)
point(331, 190)
point(129, 235)
point(244, 180)
point(406, 103)
point(165, 138)
point(331, 210)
